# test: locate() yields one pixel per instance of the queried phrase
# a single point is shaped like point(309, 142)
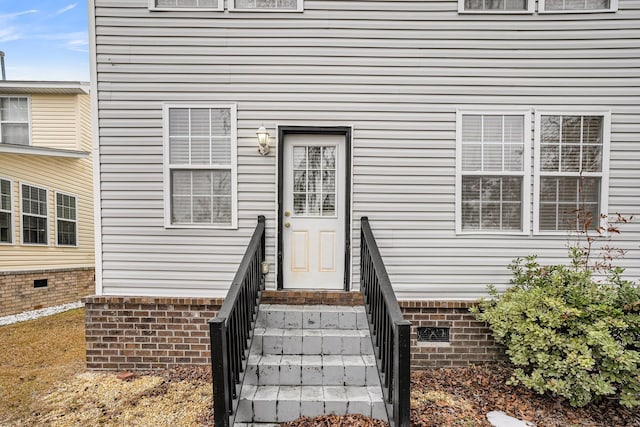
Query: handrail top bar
point(385, 283)
point(227, 305)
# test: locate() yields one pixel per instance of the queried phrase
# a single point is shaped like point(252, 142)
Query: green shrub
point(568, 332)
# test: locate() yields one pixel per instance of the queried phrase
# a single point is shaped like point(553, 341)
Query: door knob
point(287, 224)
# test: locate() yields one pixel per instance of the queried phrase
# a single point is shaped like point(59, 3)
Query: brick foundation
point(141, 333)
point(470, 341)
point(18, 294)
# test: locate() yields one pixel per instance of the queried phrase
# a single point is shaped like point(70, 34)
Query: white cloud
point(10, 34)
point(9, 16)
point(65, 9)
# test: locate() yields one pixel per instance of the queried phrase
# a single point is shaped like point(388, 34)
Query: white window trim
point(28, 97)
point(525, 174)
point(167, 167)
point(528, 11)
point(613, 8)
point(55, 199)
point(232, 8)
point(604, 175)
point(219, 8)
point(12, 234)
point(22, 213)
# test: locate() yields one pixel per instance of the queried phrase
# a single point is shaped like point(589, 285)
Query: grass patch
point(35, 356)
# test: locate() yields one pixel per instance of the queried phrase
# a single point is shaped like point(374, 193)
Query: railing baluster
point(231, 329)
point(390, 332)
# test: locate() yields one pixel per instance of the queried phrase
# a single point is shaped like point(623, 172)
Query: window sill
point(550, 12)
point(200, 227)
point(495, 12)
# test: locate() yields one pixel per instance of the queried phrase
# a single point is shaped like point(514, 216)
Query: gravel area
point(36, 314)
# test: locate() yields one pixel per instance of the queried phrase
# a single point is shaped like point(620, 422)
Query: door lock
point(287, 213)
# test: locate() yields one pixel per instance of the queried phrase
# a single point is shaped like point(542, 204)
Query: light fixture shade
point(263, 140)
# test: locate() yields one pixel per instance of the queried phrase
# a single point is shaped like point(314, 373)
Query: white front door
point(313, 221)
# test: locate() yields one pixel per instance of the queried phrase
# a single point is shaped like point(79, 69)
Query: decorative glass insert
point(14, 120)
point(34, 215)
point(314, 180)
point(495, 5)
point(66, 220)
point(6, 235)
point(200, 163)
point(577, 4)
point(492, 169)
point(571, 161)
point(266, 4)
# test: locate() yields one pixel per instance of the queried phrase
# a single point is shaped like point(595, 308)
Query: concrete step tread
point(311, 316)
point(312, 360)
point(303, 393)
point(286, 403)
point(275, 369)
point(316, 332)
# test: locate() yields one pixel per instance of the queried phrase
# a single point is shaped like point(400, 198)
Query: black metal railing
point(390, 332)
point(231, 330)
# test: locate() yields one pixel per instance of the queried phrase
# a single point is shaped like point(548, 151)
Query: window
point(496, 6)
point(66, 220)
point(267, 5)
point(186, 4)
point(34, 215)
point(577, 6)
point(6, 223)
point(572, 157)
point(200, 166)
point(493, 162)
point(14, 120)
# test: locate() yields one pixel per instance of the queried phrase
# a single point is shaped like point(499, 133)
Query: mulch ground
point(463, 397)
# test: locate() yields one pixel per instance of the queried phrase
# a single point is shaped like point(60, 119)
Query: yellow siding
point(55, 121)
point(84, 109)
point(72, 176)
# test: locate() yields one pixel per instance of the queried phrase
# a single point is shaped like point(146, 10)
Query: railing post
point(402, 367)
point(219, 369)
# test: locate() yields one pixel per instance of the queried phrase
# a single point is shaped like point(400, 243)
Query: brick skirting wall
point(18, 292)
point(470, 341)
point(141, 333)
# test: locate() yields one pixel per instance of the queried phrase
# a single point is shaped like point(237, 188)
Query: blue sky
point(45, 39)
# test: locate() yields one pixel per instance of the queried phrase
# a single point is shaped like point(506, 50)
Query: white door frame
point(283, 131)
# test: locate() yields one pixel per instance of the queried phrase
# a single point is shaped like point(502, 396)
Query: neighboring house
point(467, 131)
point(46, 186)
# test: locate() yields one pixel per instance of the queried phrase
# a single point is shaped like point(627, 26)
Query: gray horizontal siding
point(394, 70)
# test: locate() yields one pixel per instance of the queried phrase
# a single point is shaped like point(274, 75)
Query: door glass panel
point(314, 180)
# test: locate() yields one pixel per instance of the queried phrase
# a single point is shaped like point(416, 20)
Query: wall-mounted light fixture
point(263, 140)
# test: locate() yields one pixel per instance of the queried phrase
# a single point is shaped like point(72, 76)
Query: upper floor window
point(200, 165)
point(496, 6)
point(576, 6)
point(34, 215)
point(66, 220)
point(6, 208)
point(14, 120)
point(186, 4)
point(267, 5)
point(571, 170)
point(492, 164)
